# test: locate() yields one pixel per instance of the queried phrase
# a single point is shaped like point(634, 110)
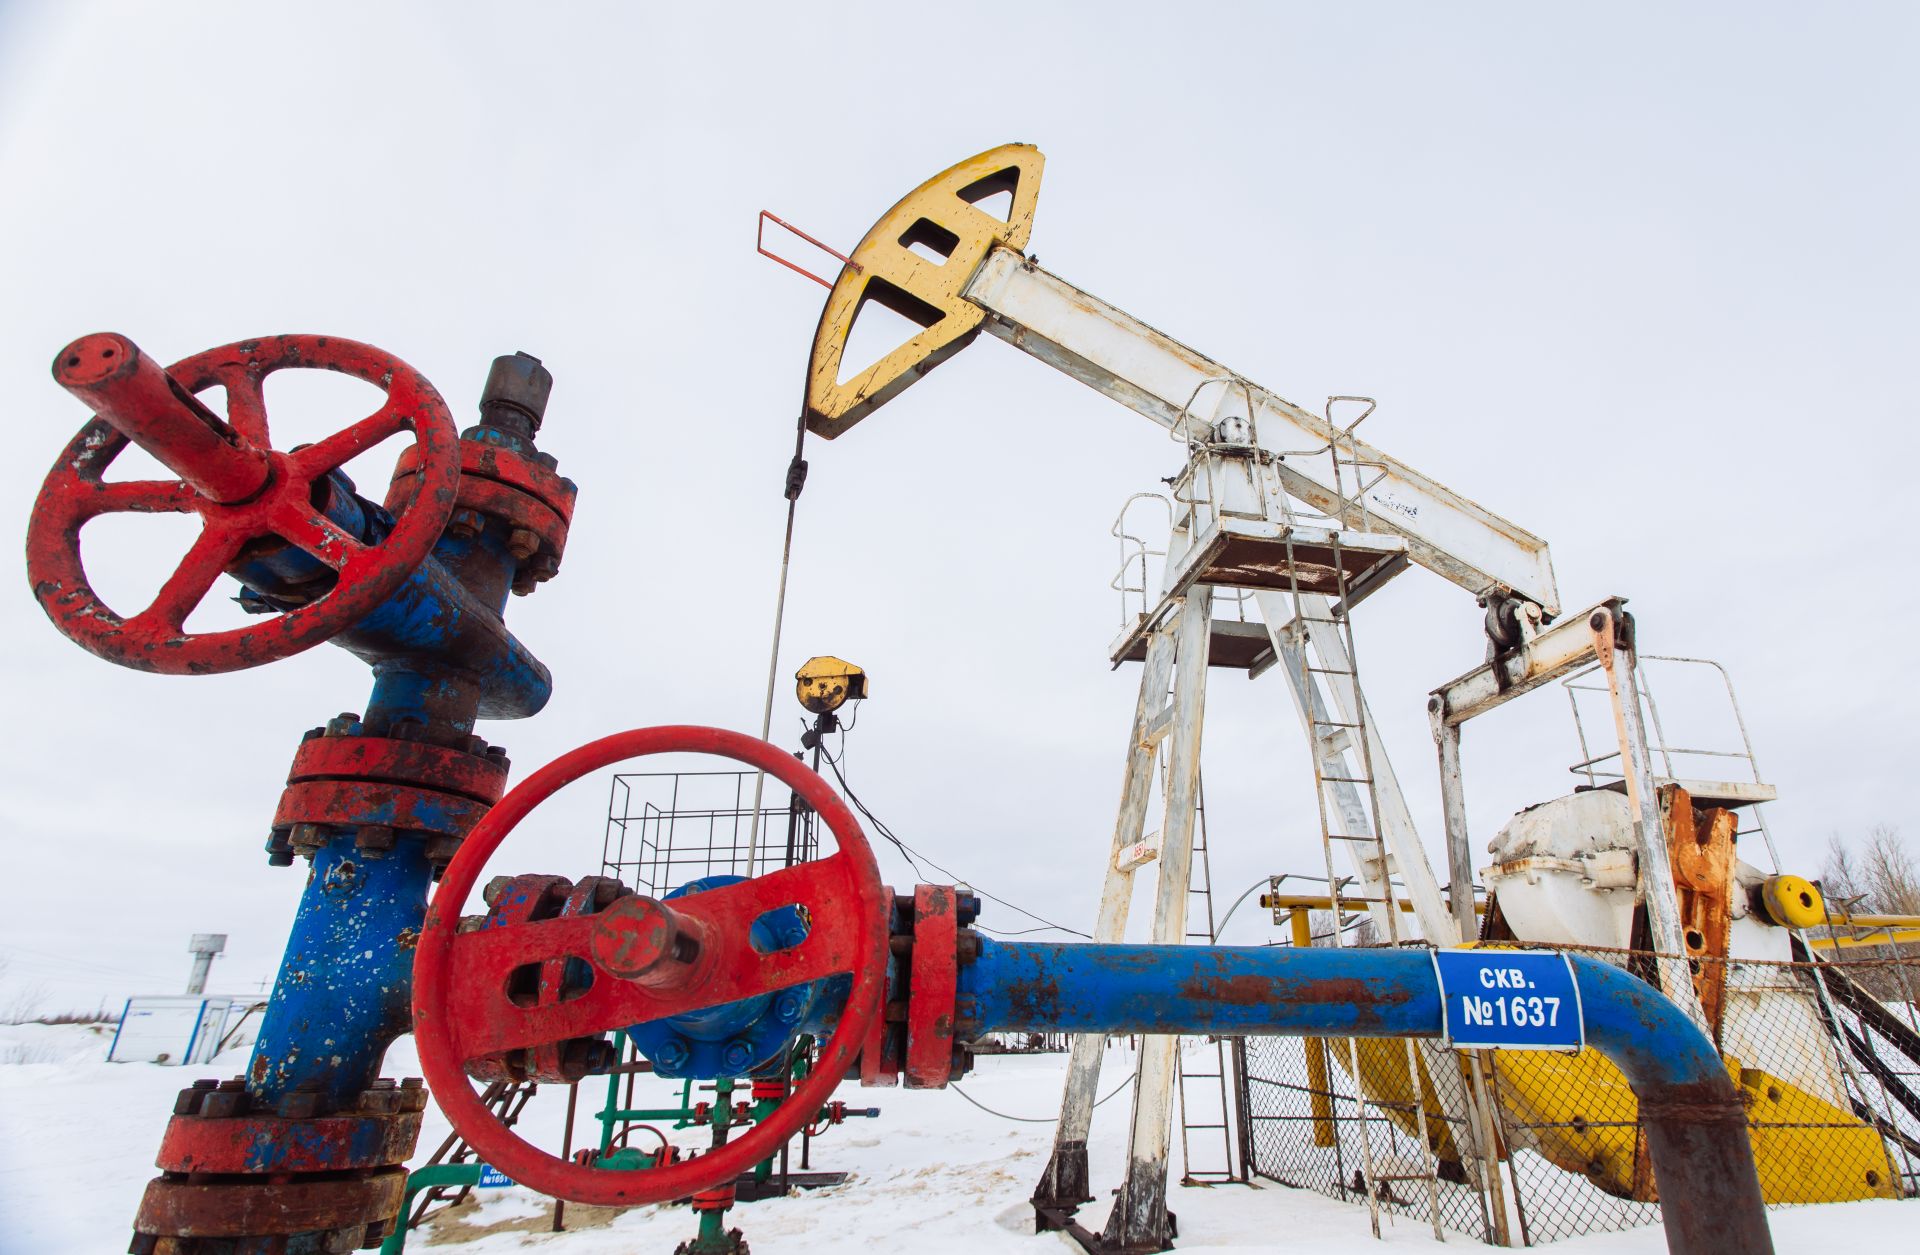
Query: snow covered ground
point(933, 1176)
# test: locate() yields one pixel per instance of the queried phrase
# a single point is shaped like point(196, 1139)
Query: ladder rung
point(1346, 779)
point(1335, 723)
point(1331, 671)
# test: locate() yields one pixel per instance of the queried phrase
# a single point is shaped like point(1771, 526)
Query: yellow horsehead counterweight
point(825, 684)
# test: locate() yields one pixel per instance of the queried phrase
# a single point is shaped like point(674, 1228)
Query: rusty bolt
point(494, 889)
point(465, 524)
point(408, 729)
point(342, 1241)
point(223, 1103)
point(523, 543)
point(342, 724)
point(299, 1104)
point(307, 837)
point(441, 849)
point(524, 582)
point(374, 840)
point(497, 752)
point(144, 1244)
point(312, 734)
point(547, 460)
point(545, 567)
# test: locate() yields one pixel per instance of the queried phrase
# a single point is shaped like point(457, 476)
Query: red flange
point(694, 953)
point(360, 803)
point(936, 967)
point(482, 777)
point(182, 1207)
point(246, 492)
point(273, 1144)
point(529, 497)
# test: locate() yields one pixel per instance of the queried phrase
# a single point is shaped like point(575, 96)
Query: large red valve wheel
point(645, 968)
point(249, 495)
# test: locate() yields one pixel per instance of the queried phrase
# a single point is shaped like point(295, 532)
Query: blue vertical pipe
point(345, 986)
point(1695, 1122)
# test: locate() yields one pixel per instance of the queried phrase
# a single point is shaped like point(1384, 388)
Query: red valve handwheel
point(284, 507)
point(462, 1009)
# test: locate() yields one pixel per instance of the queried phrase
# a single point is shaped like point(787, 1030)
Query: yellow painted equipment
point(1793, 902)
point(940, 216)
point(825, 684)
point(1582, 1116)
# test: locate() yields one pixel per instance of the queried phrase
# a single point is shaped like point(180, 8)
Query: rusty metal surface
point(461, 1007)
point(186, 1208)
point(384, 760)
point(343, 803)
point(280, 514)
point(1700, 842)
point(275, 1144)
point(530, 497)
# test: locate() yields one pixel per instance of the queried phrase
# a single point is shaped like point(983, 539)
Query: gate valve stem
point(134, 395)
point(645, 941)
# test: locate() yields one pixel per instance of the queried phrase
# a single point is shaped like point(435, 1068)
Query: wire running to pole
point(796, 482)
point(915, 858)
point(1034, 1119)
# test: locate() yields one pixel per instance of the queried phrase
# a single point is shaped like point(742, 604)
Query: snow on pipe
point(1695, 1123)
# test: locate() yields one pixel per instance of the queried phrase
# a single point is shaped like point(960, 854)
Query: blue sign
point(1508, 1000)
point(491, 1178)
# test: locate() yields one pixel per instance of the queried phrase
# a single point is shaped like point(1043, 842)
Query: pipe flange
point(380, 788)
point(343, 1213)
point(519, 492)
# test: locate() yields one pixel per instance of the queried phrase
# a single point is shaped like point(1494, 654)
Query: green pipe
point(467, 1174)
point(606, 1117)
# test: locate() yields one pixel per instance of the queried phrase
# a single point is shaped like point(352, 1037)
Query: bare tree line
point(1881, 877)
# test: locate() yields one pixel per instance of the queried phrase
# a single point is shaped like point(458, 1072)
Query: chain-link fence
point(1827, 1057)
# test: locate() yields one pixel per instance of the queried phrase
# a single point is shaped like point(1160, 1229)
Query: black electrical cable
point(909, 854)
point(1032, 1119)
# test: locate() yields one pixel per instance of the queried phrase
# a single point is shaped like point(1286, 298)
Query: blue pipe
point(346, 984)
point(1695, 1122)
point(441, 658)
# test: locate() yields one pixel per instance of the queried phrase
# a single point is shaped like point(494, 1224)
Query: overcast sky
point(1640, 279)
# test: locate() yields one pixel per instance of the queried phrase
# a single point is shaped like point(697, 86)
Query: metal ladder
point(1337, 729)
point(506, 1099)
point(1200, 1116)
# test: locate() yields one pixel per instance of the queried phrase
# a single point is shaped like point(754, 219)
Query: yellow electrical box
point(825, 684)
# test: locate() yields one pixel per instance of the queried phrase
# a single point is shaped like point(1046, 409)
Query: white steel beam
point(1138, 1220)
point(1064, 1183)
point(1156, 376)
point(1553, 652)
